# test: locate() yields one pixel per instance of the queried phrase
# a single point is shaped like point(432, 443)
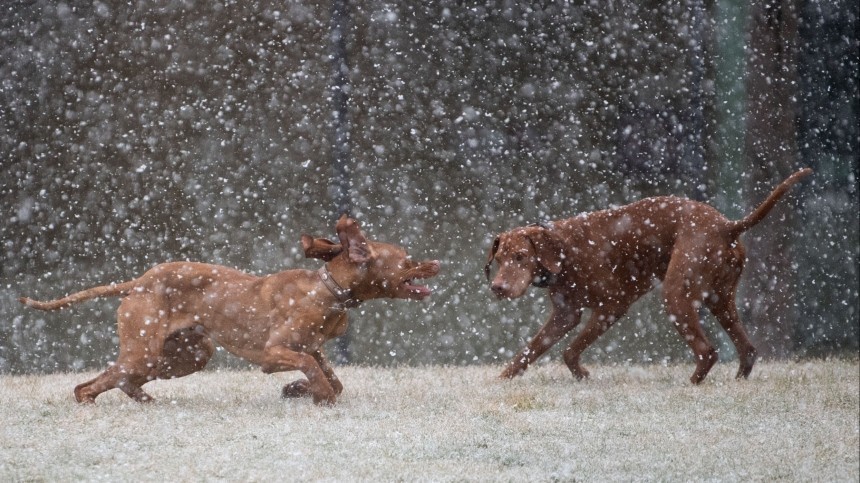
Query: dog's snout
point(427, 269)
point(499, 288)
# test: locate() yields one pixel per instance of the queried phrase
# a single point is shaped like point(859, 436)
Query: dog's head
point(526, 256)
point(370, 269)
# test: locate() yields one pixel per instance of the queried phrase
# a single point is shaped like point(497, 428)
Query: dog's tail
point(90, 293)
point(740, 226)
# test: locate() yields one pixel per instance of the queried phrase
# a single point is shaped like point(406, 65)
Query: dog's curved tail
point(740, 226)
point(90, 293)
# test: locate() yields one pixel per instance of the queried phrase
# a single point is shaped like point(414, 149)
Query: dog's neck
point(344, 297)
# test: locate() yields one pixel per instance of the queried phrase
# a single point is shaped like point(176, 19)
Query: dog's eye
point(519, 257)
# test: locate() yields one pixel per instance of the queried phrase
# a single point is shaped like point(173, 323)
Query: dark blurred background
point(133, 133)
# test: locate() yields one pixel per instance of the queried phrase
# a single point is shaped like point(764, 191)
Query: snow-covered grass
point(790, 421)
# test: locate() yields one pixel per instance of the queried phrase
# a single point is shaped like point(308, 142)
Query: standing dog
point(171, 315)
point(606, 260)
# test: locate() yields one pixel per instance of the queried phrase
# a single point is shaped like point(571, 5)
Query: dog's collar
point(544, 279)
point(343, 296)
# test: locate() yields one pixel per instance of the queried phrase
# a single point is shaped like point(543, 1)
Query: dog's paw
point(82, 397)
point(325, 400)
point(294, 389)
point(511, 372)
point(302, 388)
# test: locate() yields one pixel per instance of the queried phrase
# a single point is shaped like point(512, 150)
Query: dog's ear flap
point(491, 257)
point(353, 241)
point(320, 248)
point(547, 250)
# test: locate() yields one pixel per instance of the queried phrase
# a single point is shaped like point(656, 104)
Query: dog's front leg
point(301, 387)
point(561, 321)
point(600, 321)
point(280, 358)
point(328, 371)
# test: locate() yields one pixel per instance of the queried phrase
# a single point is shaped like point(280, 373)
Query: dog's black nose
point(499, 288)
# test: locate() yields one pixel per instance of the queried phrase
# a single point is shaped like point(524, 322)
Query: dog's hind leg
point(142, 331)
point(185, 352)
point(685, 317)
point(88, 391)
point(724, 309)
point(113, 377)
point(721, 303)
point(682, 289)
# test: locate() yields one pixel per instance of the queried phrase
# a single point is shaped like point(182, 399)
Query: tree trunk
point(699, 152)
point(341, 145)
point(770, 151)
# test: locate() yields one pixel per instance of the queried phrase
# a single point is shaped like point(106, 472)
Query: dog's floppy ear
point(353, 241)
point(490, 258)
point(320, 248)
point(547, 249)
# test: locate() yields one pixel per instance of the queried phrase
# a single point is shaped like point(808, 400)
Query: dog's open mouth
point(413, 291)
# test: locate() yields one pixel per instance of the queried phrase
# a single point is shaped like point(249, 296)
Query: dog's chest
point(334, 324)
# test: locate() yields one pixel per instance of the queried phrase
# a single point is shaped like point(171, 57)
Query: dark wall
point(133, 135)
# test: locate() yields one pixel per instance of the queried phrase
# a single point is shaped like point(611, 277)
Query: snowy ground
point(790, 421)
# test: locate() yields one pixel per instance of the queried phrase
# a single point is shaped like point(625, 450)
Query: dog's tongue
point(418, 291)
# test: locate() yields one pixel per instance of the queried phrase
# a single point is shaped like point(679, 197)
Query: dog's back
point(636, 241)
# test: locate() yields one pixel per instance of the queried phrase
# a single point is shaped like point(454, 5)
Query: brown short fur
point(606, 260)
point(170, 316)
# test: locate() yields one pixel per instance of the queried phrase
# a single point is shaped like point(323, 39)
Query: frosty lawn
point(790, 421)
